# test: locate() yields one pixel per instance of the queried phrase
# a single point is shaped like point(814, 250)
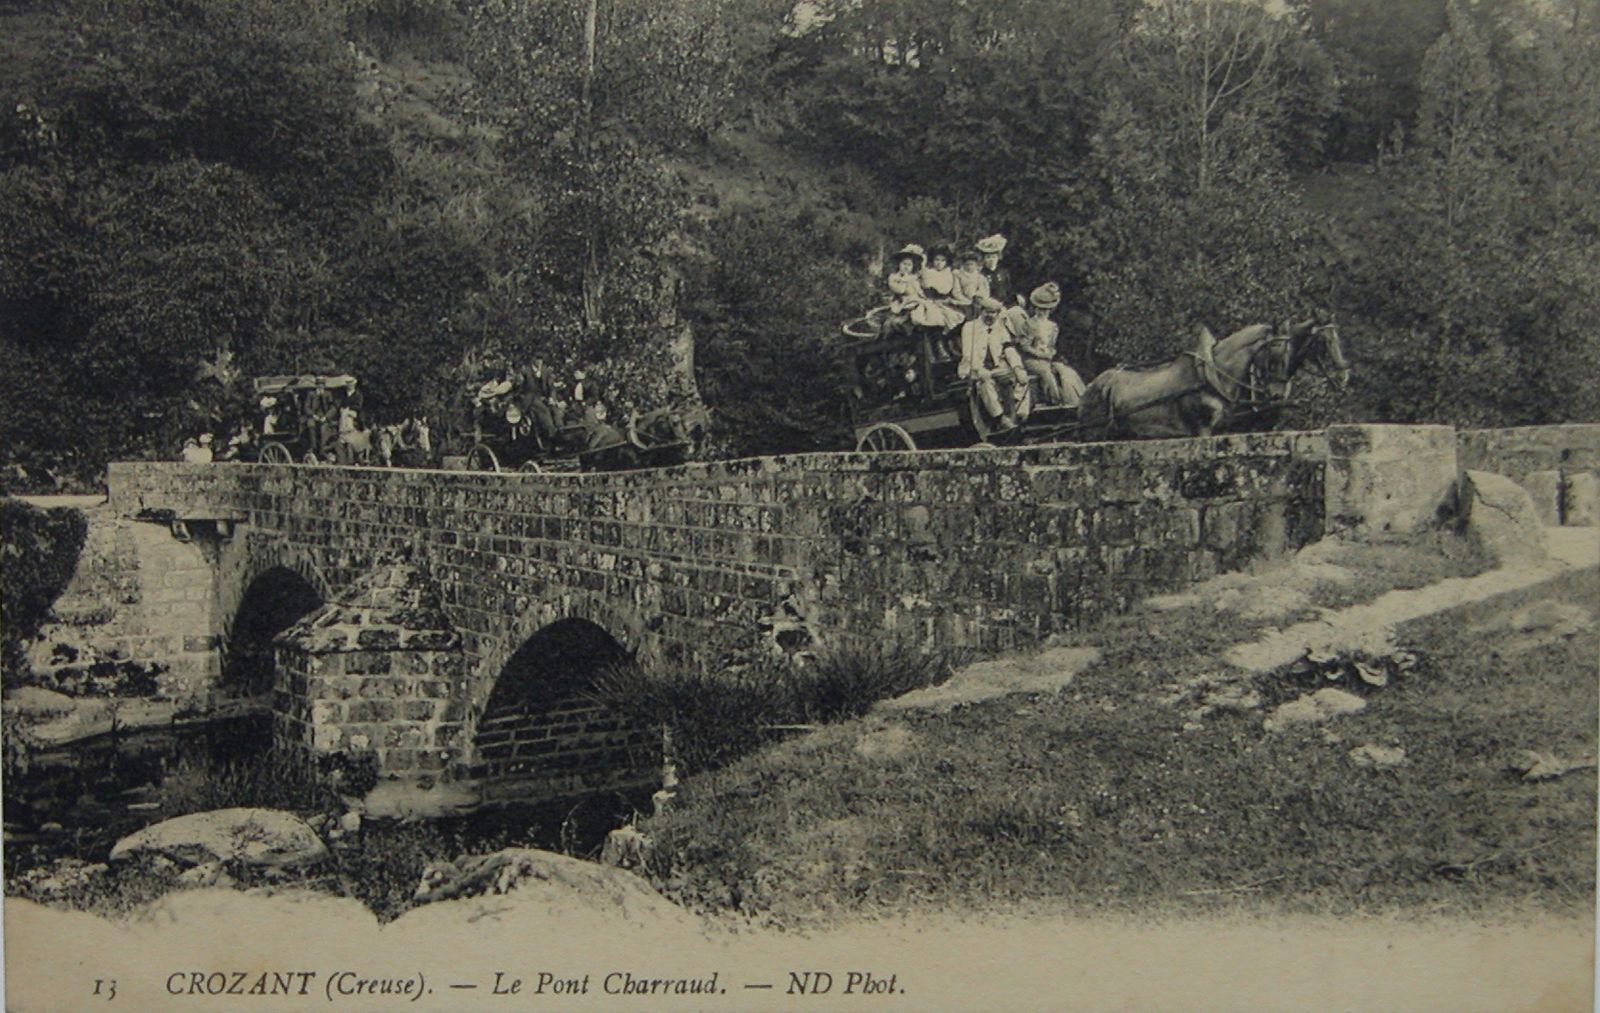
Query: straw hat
point(1046, 296)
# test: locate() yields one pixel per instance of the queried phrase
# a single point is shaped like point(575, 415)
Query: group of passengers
point(1001, 340)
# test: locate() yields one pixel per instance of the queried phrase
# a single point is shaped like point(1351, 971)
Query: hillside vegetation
point(193, 192)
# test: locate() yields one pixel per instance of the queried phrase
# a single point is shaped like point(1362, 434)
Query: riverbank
point(1444, 767)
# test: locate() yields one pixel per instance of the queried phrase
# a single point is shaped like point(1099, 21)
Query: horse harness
point(1254, 383)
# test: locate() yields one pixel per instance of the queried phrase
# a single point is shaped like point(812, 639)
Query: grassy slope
point(1097, 798)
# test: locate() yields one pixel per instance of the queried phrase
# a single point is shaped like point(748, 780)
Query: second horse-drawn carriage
point(515, 427)
point(300, 416)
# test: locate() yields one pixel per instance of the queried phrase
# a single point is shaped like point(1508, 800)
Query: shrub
point(267, 780)
point(717, 717)
point(39, 552)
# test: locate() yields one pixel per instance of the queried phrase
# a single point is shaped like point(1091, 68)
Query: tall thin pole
point(591, 266)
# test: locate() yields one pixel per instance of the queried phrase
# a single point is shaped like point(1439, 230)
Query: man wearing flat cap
point(987, 356)
point(991, 247)
point(1035, 336)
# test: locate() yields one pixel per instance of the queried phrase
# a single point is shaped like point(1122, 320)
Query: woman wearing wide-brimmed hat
point(909, 296)
point(990, 248)
point(1035, 335)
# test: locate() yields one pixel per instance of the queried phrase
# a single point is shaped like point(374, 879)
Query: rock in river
point(264, 837)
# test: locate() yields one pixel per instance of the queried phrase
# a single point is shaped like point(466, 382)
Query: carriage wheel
point(311, 458)
point(885, 436)
point(529, 468)
point(481, 458)
point(274, 453)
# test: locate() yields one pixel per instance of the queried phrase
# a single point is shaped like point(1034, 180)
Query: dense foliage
point(38, 553)
point(193, 192)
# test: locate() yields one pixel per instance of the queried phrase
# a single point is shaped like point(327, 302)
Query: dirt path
point(1370, 627)
point(1282, 590)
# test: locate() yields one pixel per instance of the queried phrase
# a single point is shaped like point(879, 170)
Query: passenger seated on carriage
point(241, 445)
point(970, 285)
point(991, 247)
point(987, 358)
point(1035, 336)
point(938, 284)
point(911, 299)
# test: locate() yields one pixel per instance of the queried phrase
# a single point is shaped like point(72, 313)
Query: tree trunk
point(593, 281)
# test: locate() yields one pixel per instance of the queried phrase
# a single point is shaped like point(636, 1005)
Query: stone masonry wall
point(139, 597)
point(1558, 465)
point(698, 564)
point(570, 746)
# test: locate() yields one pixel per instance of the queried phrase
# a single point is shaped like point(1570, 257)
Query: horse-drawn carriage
point(905, 394)
point(515, 428)
point(301, 415)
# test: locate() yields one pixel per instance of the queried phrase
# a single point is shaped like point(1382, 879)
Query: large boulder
point(1500, 516)
point(261, 837)
point(523, 883)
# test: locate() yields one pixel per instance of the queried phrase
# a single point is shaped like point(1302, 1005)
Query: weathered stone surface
point(1500, 516)
point(1383, 478)
point(1580, 497)
point(1544, 487)
point(262, 837)
point(1314, 708)
point(710, 564)
point(1519, 451)
point(1044, 672)
point(1377, 756)
point(539, 877)
point(35, 702)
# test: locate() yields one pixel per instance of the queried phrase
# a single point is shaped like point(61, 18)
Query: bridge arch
point(273, 600)
point(544, 733)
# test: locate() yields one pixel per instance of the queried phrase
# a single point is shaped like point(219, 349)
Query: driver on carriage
point(987, 355)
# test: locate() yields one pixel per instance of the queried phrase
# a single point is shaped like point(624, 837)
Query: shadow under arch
point(544, 734)
point(276, 599)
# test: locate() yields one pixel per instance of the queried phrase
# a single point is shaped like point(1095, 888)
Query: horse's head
point(1272, 365)
point(1319, 342)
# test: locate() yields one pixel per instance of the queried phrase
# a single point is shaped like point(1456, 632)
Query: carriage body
point(905, 395)
point(300, 416)
point(507, 435)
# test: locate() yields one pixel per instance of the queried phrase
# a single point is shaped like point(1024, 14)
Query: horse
point(1247, 373)
point(353, 446)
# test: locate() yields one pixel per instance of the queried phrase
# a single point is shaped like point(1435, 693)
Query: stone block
point(1545, 488)
point(1580, 499)
point(1387, 479)
point(1500, 516)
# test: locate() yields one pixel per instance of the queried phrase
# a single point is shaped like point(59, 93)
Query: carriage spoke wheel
point(275, 453)
point(530, 468)
point(886, 436)
point(481, 458)
point(311, 458)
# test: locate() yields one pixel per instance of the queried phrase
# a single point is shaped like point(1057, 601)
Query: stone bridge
point(453, 623)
